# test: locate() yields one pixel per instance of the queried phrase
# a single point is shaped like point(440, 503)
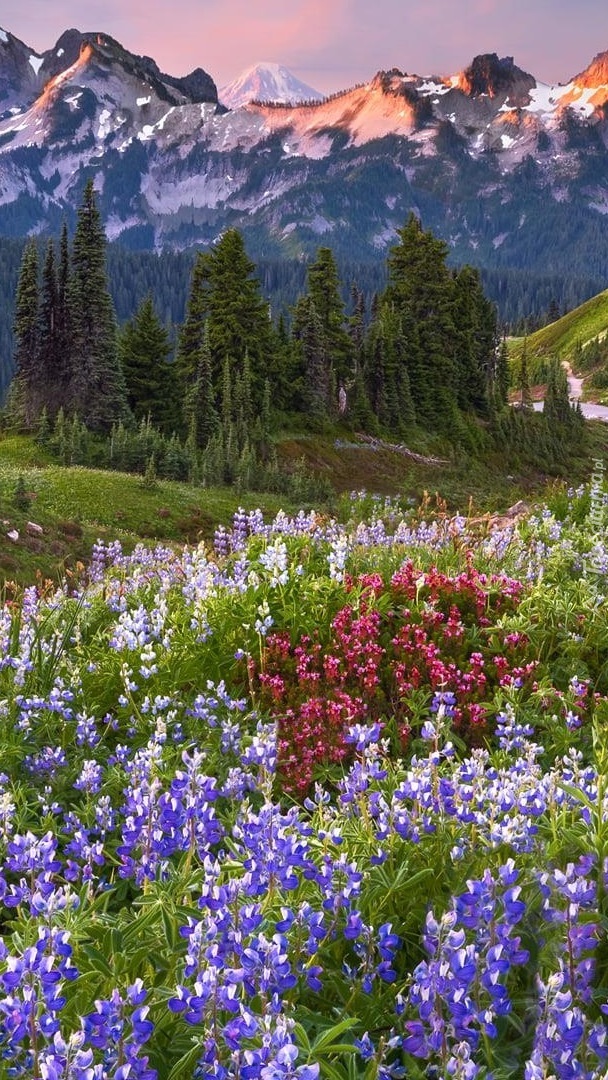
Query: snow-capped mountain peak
point(267, 81)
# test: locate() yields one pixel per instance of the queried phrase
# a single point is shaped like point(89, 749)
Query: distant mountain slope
point(266, 82)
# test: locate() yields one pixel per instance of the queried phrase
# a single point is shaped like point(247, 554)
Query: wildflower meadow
point(322, 800)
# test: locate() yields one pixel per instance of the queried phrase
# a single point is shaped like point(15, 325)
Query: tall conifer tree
point(50, 356)
point(63, 314)
point(25, 389)
point(191, 334)
point(324, 290)
point(421, 288)
point(144, 349)
point(201, 413)
point(97, 387)
point(314, 362)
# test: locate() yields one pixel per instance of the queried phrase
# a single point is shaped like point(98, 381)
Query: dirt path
point(575, 385)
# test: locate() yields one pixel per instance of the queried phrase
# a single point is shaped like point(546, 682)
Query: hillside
point(563, 337)
point(75, 506)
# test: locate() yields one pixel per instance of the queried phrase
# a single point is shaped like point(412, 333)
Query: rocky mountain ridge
point(505, 167)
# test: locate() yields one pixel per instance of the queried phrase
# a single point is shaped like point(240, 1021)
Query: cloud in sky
point(330, 43)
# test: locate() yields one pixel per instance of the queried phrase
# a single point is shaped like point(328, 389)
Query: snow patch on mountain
point(3, 36)
point(266, 82)
point(36, 62)
point(548, 102)
point(433, 88)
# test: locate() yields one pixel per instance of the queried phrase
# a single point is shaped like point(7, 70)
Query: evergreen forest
point(525, 300)
point(202, 397)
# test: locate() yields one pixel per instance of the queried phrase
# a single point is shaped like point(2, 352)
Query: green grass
point(561, 337)
point(76, 506)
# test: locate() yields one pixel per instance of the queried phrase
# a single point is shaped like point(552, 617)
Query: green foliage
point(27, 331)
point(20, 496)
point(150, 478)
point(144, 349)
point(96, 385)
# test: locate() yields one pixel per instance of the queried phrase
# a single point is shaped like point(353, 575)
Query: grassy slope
point(560, 338)
point(76, 506)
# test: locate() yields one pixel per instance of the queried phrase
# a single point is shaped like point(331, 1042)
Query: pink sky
point(330, 44)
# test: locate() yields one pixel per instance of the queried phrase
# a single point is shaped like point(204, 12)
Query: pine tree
point(202, 416)
point(51, 359)
point(324, 290)
point(144, 348)
point(421, 288)
point(97, 387)
point(314, 362)
point(190, 338)
point(25, 395)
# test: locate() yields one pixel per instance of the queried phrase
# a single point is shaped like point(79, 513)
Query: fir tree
point(225, 300)
point(190, 338)
point(356, 327)
point(523, 377)
point(25, 393)
point(502, 378)
point(21, 498)
point(144, 348)
point(62, 317)
point(51, 357)
point(474, 340)
point(557, 408)
point(202, 416)
point(324, 290)
point(226, 399)
point(97, 388)
point(420, 287)
point(387, 372)
point(314, 362)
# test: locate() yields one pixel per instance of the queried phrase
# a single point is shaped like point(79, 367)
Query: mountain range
point(511, 172)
